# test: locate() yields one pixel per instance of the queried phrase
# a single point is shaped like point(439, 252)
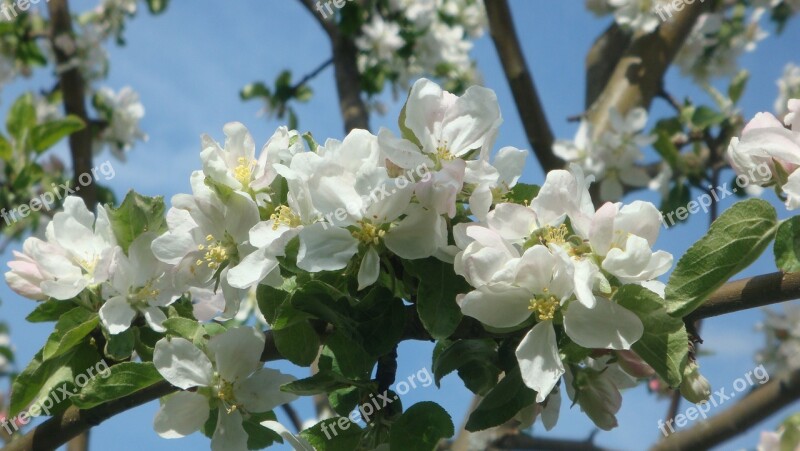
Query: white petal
point(370, 268)
point(182, 364)
point(512, 221)
point(181, 414)
point(324, 247)
point(497, 305)
point(117, 315)
point(418, 235)
point(538, 359)
point(237, 352)
point(230, 434)
point(251, 270)
point(606, 326)
point(155, 318)
point(261, 392)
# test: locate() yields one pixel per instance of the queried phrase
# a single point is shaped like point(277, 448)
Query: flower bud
point(695, 388)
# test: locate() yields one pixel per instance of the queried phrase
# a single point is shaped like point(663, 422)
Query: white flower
point(380, 39)
point(139, 284)
point(123, 112)
point(208, 235)
point(493, 180)
point(77, 254)
point(230, 378)
point(638, 15)
point(624, 235)
point(788, 88)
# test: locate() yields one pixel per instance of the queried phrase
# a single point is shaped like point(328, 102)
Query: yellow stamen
point(545, 307)
point(368, 233)
point(244, 172)
point(284, 215)
point(555, 235)
point(443, 152)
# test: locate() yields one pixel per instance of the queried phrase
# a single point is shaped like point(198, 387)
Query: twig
point(523, 441)
point(288, 409)
point(529, 106)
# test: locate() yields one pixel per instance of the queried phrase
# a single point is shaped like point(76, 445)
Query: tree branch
point(751, 410)
point(602, 58)
point(520, 80)
point(749, 293)
point(526, 442)
point(638, 76)
point(348, 77)
point(73, 89)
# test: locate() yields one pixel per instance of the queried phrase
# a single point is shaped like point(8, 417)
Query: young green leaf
point(507, 398)
point(334, 434)
point(136, 215)
point(69, 331)
point(117, 381)
point(45, 136)
point(787, 245)
point(436, 295)
point(734, 241)
point(421, 427)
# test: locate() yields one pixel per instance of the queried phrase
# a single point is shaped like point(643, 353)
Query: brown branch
point(638, 76)
point(526, 442)
point(749, 293)
point(348, 78)
point(73, 89)
point(520, 80)
point(602, 58)
point(751, 410)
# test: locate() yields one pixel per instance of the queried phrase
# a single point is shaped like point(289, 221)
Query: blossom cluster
point(557, 262)
point(550, 263)
point(781, 351)
point(411, 38)
point(765, 141)
point(612, 158)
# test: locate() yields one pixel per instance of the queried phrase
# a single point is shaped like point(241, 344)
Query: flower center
point(226, 396)
point(368, 233)
point(89, 265)
point(244, 171)
point(216, 254)
point(545, 306)
point(443, 152)
point(555, 235)
point(284, 215)
point(143, 294)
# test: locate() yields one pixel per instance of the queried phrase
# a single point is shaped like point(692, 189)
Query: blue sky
point(189, 64)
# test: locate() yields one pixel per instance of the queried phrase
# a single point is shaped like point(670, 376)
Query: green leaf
point(119, 380)
point(354, 362)
point(665, 343)
point(324, 381)
point(21, 117)
point(436, 295)
point(45, 136)
point(42, 380)
point(258, 436)
point(255, 90)
point(270, 301)
point(737, 86)
point(787, 245)
point(734, 241)
point(299, 343)
point(157, 6)
point(421, 427)
point(667, 149)
point(507, 398)
point(704, 117)
point(461, 353)
point(334, 434)
point(120, 346)
point(182, 327)
point(70, 330)
point(790, 438)
point(522, 193)
point(50, 310)
point(382, 318)
point(137, 214)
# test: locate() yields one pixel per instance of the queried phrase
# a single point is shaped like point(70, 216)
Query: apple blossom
point(228, 377)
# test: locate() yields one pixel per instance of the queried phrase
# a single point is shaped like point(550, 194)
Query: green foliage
point(334, 434)
point(421, 427)
point(436, 295)
point(70, 330)
point(787, 245)
point(507, 398)
point(733, 242)
point(45, 136)
point(119, 380)
point(50, 310)
point(136, 215)
point(476, 361)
